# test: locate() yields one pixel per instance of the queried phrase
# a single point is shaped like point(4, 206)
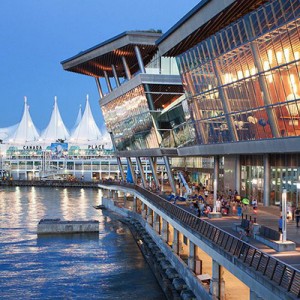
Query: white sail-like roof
point(87, 129)
point(107, 143)
point(56, 129)
point(7, 131)
point(26, 130)
point(78, 119)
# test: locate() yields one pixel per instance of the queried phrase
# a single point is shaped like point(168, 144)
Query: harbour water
point(107, 265)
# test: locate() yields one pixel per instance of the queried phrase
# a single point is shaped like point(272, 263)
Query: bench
point(273, 239)
point(242, 227)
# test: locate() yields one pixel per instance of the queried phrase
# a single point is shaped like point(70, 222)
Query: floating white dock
point(46, 226)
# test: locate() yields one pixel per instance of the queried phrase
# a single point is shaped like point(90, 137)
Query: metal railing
point(280, 273)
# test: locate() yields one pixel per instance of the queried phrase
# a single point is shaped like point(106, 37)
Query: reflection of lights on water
point(32, 201)
point(100, 196)
point(65, 204)
point(17, 205)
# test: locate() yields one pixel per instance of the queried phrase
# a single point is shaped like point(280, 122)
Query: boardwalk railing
point(278, 272)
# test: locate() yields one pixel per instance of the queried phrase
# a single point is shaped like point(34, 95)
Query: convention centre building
point(215, 97)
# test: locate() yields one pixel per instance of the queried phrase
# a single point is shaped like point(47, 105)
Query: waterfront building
point(82, 153)
point(228, 116)
point(238, 118)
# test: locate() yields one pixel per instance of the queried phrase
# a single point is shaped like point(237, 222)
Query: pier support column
point(134, 205)
point(150, 216)
point(214, 213)
point(215, 281)
point(110, 194)
point(238, 174)
point(164, 231)
point(267, 177)
point(156, 223)
point(144, 211)
point(191, 258)
point(175, 245)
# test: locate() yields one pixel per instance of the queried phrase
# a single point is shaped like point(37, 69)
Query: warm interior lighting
point(287, 54)
point(293, 83)
point(253, 71)
point(270, 56)
point(266, 66)
point(240, 74)
point(279, 57)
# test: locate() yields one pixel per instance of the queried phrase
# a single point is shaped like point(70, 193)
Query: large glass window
point(243, 82)
point(129, 119)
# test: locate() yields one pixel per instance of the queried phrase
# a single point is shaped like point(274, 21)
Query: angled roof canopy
point(205, 19)
point(96, 60)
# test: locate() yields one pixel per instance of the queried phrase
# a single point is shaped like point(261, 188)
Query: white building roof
point(78, 119)
point(87, 130)
point(56, 129)
point(25, 131)
point(7, 131)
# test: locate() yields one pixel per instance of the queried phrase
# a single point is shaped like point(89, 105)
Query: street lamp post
point(283, 213)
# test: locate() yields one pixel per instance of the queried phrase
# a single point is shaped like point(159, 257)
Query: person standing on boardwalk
point(280, 224)
point(297, 215)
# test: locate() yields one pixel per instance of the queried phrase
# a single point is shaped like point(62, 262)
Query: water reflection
point(77, 266)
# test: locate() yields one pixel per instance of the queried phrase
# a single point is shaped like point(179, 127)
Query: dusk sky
point(37, 35)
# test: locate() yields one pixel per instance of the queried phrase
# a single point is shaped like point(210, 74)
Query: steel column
point(115, 75)
point(140, 59)
point(126, 68)
point(170, 175)
point(139, 164)
point(107, 81)
point(129, 163)
point(99, 87)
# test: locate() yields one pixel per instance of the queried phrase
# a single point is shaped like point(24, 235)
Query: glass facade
point(284, 174)
point(243, 82)
point(129, 119)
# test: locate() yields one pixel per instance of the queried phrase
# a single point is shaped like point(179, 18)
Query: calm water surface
point(104, 266)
